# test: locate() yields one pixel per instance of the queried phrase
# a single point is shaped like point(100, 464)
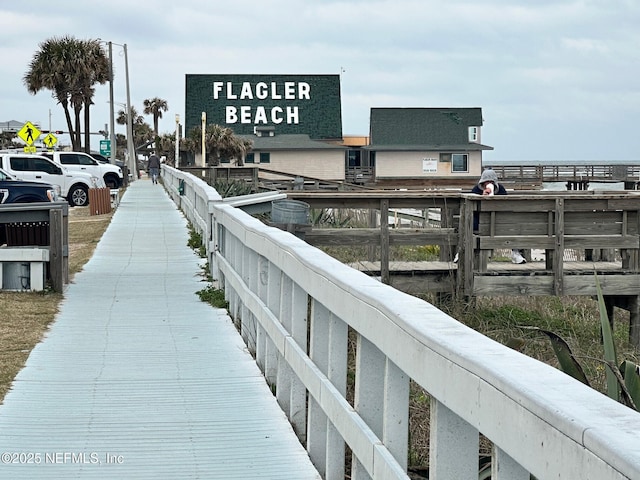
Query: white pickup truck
point(74, 186)
point(80, 161)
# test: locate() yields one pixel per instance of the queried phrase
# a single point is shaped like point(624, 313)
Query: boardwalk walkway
point(138, 379)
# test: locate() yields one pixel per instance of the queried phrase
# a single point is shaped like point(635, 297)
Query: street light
point(133, 157)
point(112, 128)
point(132, 163)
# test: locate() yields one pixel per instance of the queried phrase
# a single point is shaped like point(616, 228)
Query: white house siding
point(401, 164)
point(321, 164)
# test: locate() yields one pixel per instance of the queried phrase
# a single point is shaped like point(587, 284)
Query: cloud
point(552, 77)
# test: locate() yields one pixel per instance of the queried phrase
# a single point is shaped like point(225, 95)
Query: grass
point(27, 315)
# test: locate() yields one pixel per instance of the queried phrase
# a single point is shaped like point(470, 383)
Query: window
point(459, 162)
point(19, 164)
point(250, 158)
point(265, 157)
point(354, 158)
point(474, 134)
point(42, 165)
point(85, 160)
point(225, 160)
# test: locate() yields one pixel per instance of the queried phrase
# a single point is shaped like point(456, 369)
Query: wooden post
point(373, 223)
point(56, 258)
point(558, 255)
point(384, 241)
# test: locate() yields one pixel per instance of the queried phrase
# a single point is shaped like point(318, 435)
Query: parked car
point(103, 159)
point(74, 185)
point(80, 161)
point(13, 190)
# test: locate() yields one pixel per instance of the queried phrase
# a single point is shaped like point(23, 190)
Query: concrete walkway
point(137, 378)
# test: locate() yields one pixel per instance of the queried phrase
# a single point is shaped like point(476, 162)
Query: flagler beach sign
point(291, 103)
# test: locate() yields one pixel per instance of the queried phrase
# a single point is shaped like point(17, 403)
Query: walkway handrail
point(296, 307)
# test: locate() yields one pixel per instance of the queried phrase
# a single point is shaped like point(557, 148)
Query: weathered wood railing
point(295, 308)
point(554, 223)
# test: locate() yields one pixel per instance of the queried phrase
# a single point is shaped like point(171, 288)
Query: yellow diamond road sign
point(50, 140)
point(29, 133)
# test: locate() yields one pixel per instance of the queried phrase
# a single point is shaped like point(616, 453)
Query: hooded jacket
point(489, 175)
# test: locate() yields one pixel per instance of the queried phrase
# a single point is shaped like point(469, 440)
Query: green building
point(288, 104)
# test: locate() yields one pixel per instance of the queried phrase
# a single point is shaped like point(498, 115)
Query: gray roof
point(422, 128)
point(298, 141)
point(12, 126)
point(463, 147)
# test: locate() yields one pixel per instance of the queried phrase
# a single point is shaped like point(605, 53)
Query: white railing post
point(299, 333)
point(284, 379)
point(337, 375)
point(369, 390)
point(396, 413)
point(272, 300)
point(319, 350)
point(290, 391)
point(453, 445)
point(329, 353)
point(503, 467)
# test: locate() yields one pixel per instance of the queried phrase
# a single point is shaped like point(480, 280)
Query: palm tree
point(220, 142)
point(69, 68)
point(95, 69)
point(142, 132)
point(155, 106)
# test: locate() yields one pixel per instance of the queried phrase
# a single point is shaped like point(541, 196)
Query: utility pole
point(112, 123)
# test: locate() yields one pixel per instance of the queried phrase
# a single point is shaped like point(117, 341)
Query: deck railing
point(296, 308)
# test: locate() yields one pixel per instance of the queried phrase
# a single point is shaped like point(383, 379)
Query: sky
point(556, 80)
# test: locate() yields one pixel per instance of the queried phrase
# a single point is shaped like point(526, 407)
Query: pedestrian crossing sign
point(50, 140)
point(29, 133)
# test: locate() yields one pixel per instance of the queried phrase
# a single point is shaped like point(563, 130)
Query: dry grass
point(26, 316)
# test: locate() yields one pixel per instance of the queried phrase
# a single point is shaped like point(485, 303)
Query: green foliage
point(609, 347)
point(327, 217)
point(195, 242)
point(631, 374)
point(568, 362)
point(623, 382)
point(232, 188)
point(213, 296)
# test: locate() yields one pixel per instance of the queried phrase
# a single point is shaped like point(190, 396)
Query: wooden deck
point(554, 223)
point(506, 278)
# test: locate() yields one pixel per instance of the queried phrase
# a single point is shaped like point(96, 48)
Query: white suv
point(80, 161)
point(74, 186)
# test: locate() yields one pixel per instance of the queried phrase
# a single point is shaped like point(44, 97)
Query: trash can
point(290, 212)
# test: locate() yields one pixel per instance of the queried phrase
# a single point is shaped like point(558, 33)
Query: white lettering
point(231, 114)
point(245, 114)
point(246, 91)
point(292, 115)
point(304, 90)
point(230, 94)
point(217, 88)
point(262, 90)
point(275, 118)
point(290, 90)
point(261, 116)
point(277, 115)
point(274, 91)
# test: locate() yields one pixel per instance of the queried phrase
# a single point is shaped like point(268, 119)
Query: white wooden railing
point(296, 307)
